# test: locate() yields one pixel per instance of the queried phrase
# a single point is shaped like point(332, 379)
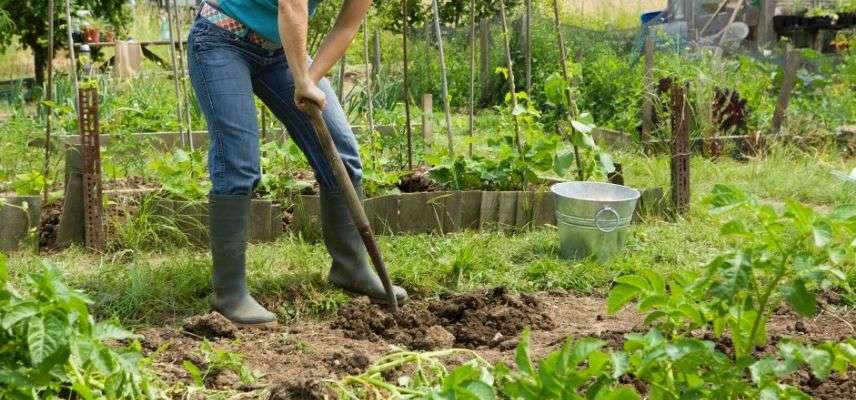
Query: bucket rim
point(636, 194)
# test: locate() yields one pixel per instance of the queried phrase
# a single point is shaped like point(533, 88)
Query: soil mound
point(210, 326)
point(469, 320)
point(308, 389)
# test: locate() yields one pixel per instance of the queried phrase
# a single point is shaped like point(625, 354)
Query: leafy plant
point(579, 370)
point(53, 348)
point(216, 361)
point(182, 174)
point(29, 183)
point(784, 256)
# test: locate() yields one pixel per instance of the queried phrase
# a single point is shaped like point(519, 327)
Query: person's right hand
point(309, 91)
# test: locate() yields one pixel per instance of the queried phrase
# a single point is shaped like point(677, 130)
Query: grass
point(146, 287)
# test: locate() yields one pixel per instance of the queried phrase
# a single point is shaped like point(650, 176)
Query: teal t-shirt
point(259, 15)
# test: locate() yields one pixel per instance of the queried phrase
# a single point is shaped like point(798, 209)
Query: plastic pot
point(91, 34)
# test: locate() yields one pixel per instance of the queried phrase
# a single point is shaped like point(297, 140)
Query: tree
point(29, 24)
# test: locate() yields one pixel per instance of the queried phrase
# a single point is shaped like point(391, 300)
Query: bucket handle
point(597, 219)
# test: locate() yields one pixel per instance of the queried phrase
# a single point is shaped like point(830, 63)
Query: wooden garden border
point(15, 222)
point(457, 211)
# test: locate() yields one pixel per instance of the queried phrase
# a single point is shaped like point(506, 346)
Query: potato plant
point(52, 348)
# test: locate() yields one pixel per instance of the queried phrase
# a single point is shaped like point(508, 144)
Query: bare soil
point(296, 358)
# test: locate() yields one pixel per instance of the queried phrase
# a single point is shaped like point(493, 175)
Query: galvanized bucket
point(593, 218)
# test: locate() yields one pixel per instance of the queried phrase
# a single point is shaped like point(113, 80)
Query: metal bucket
point(593, 218)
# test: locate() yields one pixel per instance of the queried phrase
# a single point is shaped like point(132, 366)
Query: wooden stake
point(766, 33)
point(340, 90)
point(49, 98)
point(407, 127)
point(185, 99)
point(447, 109)
point(71, 56)
point(472, 74)
point(178, 110)
point(572, 106)
point(485, 72)
point(369, 81)
point(427, 118)
point(680, 149)
point(376, 61)
point(513, 87)
point(528, 49)
point(648, 105)
point(793, 62)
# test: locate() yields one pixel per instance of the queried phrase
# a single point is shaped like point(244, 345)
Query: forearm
point(337, 41)
point(293, 19)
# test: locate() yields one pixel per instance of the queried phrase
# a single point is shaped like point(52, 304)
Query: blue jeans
point(226, 70)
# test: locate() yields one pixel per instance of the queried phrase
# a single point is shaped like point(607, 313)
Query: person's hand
point(308, 91)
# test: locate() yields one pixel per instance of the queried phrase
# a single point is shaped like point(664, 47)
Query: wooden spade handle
point(355, 206)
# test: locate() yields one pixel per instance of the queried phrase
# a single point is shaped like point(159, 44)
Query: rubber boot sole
point(263, 325)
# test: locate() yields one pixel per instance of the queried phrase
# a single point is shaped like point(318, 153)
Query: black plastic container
point(817, 23)
point(784, 23)
point(846, 20)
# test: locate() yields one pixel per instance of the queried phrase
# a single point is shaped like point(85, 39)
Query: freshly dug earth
point(460, 320)
point(295, 359)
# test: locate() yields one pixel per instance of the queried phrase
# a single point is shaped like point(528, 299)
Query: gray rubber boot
point(351, 270)
point(228, 219)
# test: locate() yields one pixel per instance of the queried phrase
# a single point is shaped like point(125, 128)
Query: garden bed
point(295, 359)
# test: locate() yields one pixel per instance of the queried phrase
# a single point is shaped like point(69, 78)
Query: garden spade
point(355, 206)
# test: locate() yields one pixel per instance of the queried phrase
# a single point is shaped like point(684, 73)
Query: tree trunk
point(40, 62)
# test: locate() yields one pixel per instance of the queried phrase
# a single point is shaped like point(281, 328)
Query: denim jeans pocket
point(206, 36)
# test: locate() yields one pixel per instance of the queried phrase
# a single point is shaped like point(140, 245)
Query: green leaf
point(480, 390)
point(731, 274)
point(620, 363)
point(37, 340)
point(649, 302)
point(563, 163)
point(555, 89)
point(801, 214)
point(636, 281)
point(4, 272)
point(725, 197)
point(522, 357)
point(658, 284)
point(582, 127)
point(17, 313)
point(194, 372)
point(606, 163)
point(820, 362)
point(799, 298)
point(734, 227)
point(519, 109)
point(622, 393)
point(619, 296)
point(822, 233)
point(111, 331)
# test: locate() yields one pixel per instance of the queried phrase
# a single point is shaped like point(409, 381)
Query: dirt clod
point(307, 389)
point(466, 320)
point(351, 364)
point(211, 326)
point(418, 181)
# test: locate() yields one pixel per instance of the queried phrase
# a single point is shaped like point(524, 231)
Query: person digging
point(241, 48)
